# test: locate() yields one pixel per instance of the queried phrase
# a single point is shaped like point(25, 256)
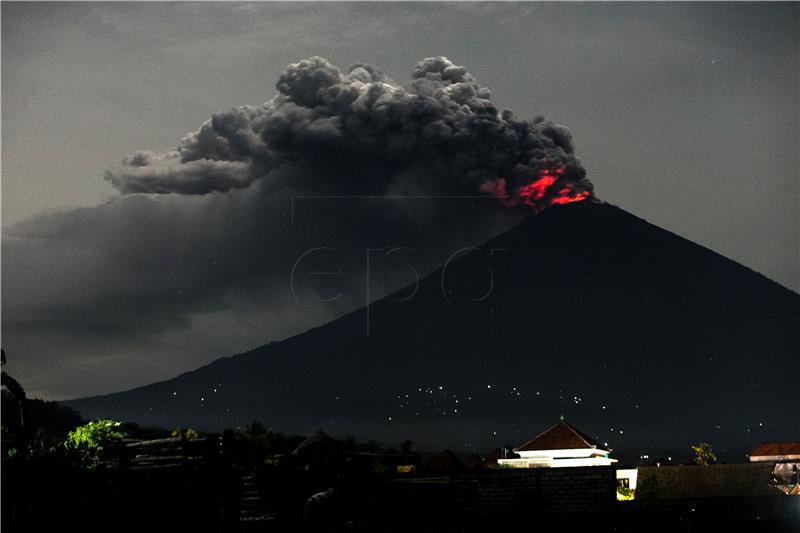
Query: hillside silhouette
point(640, 337)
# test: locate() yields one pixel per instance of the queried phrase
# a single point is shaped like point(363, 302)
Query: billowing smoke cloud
point(201, 265)
point(440, 128)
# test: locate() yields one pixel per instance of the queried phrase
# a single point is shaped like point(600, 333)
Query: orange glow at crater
point(568, 197)
point(539, 193)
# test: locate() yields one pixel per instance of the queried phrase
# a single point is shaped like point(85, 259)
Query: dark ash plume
point(440, 130)
point(201, 264)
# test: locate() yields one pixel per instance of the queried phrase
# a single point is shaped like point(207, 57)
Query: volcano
point(641, 338)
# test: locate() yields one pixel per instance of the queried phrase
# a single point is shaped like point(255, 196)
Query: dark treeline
point(94, 476)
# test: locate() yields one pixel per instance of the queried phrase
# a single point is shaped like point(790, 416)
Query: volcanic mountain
point(642, 339)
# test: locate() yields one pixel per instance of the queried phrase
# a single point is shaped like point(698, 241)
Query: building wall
point(569, 491)
point(567, 452)
point(707, 481)
point(774, 458)
point(540, 462)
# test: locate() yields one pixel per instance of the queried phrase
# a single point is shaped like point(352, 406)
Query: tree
point(185, 433)
point(256, 429)
point(16, 389)
point(703, 454)
point(88, 441)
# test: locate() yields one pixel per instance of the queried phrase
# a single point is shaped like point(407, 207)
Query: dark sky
point(684, 114)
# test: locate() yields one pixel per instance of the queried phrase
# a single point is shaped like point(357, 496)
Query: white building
point(561, 445)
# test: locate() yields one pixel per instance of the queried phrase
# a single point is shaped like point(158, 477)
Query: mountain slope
point(641, 338)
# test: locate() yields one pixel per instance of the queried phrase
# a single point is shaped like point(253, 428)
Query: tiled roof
point(493, 456)
point(447, 460)
point(318, 441)
point(776, 448)
point(561, 436)
point(474, 462)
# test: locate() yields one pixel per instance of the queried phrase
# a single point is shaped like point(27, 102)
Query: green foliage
point(253, 446)
point(44, 443)
point(624, 493)
point(185, 433)
point(646, 488)
point(271, 461)
point(88, 441)
point(372, 446)
point(703, 454)
point(256, 429)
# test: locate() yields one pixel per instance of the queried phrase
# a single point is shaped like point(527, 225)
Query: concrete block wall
point(554, 491)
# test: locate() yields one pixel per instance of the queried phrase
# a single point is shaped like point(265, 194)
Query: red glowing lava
point(538, 193)
point(567, 196)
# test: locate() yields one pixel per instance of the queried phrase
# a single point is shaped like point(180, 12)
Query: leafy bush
point(88, 441)
point(703, 454)
point(185, 433)
point(624, 493)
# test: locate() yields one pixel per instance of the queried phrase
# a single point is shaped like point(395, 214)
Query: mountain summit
point(643, 338)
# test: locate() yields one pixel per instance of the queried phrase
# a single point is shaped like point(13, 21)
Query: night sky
point(140, 242)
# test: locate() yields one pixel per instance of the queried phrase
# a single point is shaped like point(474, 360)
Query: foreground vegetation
point(107, 475)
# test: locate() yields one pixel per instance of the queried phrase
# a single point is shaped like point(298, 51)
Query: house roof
point(317, 441)
point(447, 460)
point(493, 456)
point(474, 462)
point(561, 436)
point(776, 448)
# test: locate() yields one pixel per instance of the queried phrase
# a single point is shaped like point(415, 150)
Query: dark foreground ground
point(197, 486)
